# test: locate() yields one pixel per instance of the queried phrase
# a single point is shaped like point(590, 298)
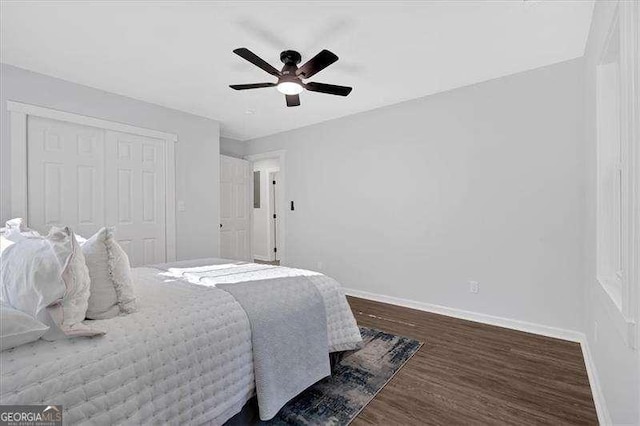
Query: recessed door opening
point(265, 211)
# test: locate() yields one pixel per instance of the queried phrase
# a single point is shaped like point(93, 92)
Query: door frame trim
point(282, 197)
point(19, 174)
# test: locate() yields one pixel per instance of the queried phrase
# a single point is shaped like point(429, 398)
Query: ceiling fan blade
point(293, 100)
point(331, 89)
point(316, 64)
point(245, 53)
point(251, 86)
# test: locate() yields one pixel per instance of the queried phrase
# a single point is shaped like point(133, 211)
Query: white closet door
point(66, 176)
point(235, 204)
point(136, 195)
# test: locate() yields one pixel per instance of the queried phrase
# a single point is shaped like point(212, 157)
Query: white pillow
point(18, 328)
point(15, 230)
point(110, 272)
point(4, 243)
point(47, 278)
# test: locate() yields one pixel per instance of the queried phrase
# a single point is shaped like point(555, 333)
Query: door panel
point(66, 171)
point(135, 176)
point(235, 202)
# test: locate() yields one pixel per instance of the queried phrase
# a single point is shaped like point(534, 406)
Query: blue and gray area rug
point(356, 379)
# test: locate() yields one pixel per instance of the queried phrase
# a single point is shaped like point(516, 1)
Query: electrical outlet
point(181, 206)
point(474, 286)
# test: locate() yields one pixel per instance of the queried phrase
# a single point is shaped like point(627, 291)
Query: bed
point(185, 357)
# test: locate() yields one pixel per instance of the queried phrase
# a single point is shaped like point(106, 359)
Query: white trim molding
point(282, 197)
point(622, 300)
point(528, 327)
point(604, 418)
point(70, 117)
point(20, 112)
point(630, 138)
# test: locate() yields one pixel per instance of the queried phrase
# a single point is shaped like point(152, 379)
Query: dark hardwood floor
point(471, 373)
point(264, 262)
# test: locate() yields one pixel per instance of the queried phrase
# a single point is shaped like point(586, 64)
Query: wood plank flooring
point(471, 373)
point(264, 262)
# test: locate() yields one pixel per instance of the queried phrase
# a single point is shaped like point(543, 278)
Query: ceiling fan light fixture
point(290, 78)
point(289, 88)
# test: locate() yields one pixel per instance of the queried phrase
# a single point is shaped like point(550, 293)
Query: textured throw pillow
point(46, 277)
point(110, 272)
point(18, 328)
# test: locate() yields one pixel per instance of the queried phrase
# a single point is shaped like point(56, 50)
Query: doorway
point(266, 211)
point(274, 179)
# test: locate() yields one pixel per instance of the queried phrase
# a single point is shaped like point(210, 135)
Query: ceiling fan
point(290, 78)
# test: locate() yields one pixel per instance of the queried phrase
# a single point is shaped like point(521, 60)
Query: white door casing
point(281, 198)
point(86, 173)
point(235, 208)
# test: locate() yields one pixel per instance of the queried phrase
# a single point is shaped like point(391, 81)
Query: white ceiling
point(179, 54)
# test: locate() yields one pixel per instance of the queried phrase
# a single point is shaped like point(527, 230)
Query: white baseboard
point(604, 418)
point(262, 258)
point(544, 330)
point(528, 327)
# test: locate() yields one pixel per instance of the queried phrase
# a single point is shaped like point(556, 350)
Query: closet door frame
point(19, 113)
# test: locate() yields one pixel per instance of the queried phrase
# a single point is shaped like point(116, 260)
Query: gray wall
point(197, 151)
point(618, 365)
point(481, 183)
point(232, 147)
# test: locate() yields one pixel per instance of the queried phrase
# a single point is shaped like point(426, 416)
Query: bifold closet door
point(86, 178)
point(65, 164)
point(136, 195)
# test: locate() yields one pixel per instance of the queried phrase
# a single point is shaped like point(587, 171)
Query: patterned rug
point(356, 379)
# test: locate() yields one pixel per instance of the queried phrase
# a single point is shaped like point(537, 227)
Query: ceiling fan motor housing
point(290, 57)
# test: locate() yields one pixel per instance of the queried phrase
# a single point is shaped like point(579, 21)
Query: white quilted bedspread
point(184, 358)
point(341, 325)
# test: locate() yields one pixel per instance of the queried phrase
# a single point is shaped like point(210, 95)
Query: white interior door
point(66, 176)
point(235, 208)
point(136, 199)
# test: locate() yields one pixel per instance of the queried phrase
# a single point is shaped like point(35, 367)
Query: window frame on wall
point(610, 185)
point(618, 167)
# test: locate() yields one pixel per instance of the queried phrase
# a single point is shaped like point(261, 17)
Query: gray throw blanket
point(289, 337)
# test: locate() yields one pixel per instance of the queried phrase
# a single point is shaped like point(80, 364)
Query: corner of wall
point(232, 147)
